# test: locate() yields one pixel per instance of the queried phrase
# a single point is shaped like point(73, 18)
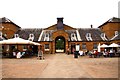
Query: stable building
point(59, 37)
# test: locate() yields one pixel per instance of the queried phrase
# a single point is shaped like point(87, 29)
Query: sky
point(44, 13)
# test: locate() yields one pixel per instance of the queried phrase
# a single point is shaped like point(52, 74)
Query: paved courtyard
point(60, 66)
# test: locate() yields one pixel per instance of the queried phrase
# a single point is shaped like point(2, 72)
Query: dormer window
point(46, 35)
point(16, 36)
point(103, 36)
point(88, 37)
point(116, 33)
point(73, 37)
point(31, 37)
point(46, 38)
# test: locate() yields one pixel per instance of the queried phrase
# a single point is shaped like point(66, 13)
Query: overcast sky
point(43, 13)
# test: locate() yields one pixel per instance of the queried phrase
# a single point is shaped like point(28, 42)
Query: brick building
point(59, 37)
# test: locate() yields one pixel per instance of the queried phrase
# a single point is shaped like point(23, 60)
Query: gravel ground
point(60, 66)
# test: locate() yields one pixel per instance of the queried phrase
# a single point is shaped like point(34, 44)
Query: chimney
point(91, 26)
point(60, 23)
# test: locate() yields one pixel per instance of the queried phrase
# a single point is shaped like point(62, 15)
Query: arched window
point(73, 37)
point(31, 37)
point(116, 33)
point(103, 36)
point(46, 38)
point(88, 37)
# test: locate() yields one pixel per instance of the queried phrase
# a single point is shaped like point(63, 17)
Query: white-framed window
point(88, 37)
point(47, 48)
point(116, 33)
point(103, 36)
point(31, 37)
point(16, 35)
point(46, 38)
point(73, 37)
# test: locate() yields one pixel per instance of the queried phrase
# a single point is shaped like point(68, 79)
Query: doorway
point(60, 44)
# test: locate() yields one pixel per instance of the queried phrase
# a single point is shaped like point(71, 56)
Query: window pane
point(95, 45)
point(46, 46)
point(84, 46)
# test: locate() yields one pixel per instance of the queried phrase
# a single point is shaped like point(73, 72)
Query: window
point(46, 47)
point(24, 46)
point(31, 37)
point(88, 37)
point(103, 36)
point(46, 38)
point(16, 35)
point(95, 45)
point(84, 46)
point(116, 33)
point(46, 35)
point(73, 37)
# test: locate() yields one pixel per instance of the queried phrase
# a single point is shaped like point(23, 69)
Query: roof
point(95, 34)
point(79, 34)
point(6, 20)
point(24, 33)
point(116, 37)
point(112, 20)
point(53, 27)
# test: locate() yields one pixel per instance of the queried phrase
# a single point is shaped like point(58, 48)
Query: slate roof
point(95, 34)
point(69, 33)
point(114, 19)
point(24, 33)
point(49, 32)
point(6, 20)
point(117, 37)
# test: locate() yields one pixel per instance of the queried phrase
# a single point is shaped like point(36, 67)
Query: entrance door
point(60, 44)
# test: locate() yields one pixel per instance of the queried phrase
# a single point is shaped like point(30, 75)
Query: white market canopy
point(18, 41)
point(114, 45)
point(104, 46)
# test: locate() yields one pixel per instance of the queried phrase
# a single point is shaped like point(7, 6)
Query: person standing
point(40, 53)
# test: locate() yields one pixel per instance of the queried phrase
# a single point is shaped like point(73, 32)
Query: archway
point(60, 44)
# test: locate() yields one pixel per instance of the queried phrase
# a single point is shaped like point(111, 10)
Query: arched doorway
point(60, 44)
